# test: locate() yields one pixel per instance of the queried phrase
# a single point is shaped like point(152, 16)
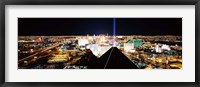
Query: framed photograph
point(99, 43)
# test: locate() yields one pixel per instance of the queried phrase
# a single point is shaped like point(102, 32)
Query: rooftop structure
point(114, 59)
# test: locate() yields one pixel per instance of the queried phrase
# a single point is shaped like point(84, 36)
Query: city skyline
point(99, 43)
point(84, 26)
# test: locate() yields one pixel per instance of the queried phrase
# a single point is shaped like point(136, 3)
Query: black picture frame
point(98, 2)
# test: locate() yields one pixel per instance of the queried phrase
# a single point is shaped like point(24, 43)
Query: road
point(42, 51)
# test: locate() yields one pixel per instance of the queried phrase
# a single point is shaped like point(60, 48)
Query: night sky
point(84, 26)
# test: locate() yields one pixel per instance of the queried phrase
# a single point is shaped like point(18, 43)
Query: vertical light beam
point(114, 32)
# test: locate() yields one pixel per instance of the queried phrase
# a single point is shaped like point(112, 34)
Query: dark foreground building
point(113, 59)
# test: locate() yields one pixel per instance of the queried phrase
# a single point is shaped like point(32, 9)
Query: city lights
point(73, 43)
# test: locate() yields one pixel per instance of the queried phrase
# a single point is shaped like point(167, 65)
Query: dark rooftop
point(115, 59)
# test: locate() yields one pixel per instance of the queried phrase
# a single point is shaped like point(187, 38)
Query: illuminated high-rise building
point(83, 42)
point(128, 47)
